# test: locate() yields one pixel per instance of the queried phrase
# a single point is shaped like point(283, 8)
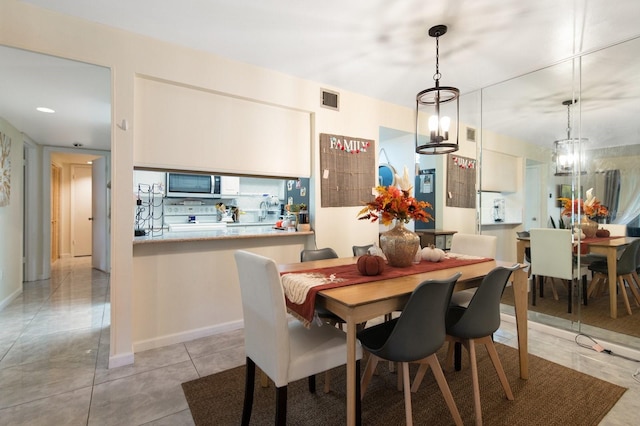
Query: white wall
point(129, 57)
point(11, 218)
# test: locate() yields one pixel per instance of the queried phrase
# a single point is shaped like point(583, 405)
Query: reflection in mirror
point(528, 111)
point(386, 175)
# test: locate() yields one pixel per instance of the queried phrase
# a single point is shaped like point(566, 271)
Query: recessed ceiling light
point(45, 109)
point(89, 162)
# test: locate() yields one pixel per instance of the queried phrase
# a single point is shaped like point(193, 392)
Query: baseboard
point(186, 336)
point(10, 298)
point(120, 360)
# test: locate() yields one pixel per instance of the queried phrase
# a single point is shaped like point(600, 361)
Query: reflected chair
point(625, 272)
point(284, 350)
point(476, 324)
point(615, 229)
point(471, 245)
point(474, 245)
point(552, 257)
point(416, 335)
point(361, 250)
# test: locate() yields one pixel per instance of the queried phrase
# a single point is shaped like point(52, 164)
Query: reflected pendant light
point(431, 106)
point(568, 154)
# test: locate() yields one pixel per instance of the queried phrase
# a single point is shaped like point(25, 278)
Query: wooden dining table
point(604, 246)
point(362, 302)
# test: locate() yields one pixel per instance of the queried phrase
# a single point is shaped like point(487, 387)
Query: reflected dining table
point(365, 301)
point(608, 247)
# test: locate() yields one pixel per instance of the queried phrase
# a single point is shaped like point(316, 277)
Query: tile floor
point(54, 345)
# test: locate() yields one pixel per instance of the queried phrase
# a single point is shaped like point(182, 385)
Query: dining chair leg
point(553, 289)
point(632, 286)
point(264, 379)
point(247, 406)
point(407, 393)
point(457, 356)
point(327, 381)
point(495, 359)
point(595, 285)
point(368, 372)
point(281, 406)
point(623, 290)
point(432, 360)
point(358, 400)
point(422, 370)
point(312, 383)
point(448, 360)
point(476, 383)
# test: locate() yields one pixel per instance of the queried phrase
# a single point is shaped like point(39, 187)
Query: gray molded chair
point(318, 254)
point(361, 250)
point(625, 270)
point(416, 335)
point(476, 324)
point(284, 350)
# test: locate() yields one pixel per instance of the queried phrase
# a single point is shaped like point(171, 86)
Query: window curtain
point(611, 192)
point(620, 194)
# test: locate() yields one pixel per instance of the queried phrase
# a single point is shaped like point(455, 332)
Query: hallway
point(54, 348)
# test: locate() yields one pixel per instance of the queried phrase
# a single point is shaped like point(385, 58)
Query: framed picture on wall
point(564, 191)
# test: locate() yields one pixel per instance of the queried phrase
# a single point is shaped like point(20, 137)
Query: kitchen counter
point(232, 231)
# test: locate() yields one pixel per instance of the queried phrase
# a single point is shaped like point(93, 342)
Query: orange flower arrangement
point(591, 207)
point(395, 203)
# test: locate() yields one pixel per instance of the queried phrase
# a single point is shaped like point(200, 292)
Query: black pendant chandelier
point(568, 153)
point(442, 138)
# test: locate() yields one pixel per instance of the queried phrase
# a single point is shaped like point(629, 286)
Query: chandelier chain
point(437, 75)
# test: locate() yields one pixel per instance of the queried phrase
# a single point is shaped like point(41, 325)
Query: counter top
point(237, 231)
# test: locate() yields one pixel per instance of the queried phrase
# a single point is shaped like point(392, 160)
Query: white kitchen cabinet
point(229, 185)
point(499, 172)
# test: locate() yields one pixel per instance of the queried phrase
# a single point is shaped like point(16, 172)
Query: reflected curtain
point(620, 194)
point(611, 192)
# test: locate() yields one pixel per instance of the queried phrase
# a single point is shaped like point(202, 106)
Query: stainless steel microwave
point(191, 185)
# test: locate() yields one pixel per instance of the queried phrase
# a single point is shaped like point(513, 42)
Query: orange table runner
point(345, 275)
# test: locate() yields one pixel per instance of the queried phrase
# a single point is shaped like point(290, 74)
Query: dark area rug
point(553, 395)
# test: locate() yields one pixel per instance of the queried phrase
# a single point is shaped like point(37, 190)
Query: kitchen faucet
point(263, 211)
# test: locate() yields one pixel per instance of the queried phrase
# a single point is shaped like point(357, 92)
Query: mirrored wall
point(594, 100)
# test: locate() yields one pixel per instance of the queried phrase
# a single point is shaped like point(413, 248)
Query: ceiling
point(373, 47)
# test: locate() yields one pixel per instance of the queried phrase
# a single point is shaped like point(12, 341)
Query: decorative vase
point(399, 245)
point(589, 227)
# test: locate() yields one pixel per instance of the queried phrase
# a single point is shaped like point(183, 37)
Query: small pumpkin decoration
point(432, 254)
point(602, 233)
point(369, 264)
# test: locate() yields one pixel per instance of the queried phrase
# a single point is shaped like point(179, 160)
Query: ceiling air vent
point(330, 99)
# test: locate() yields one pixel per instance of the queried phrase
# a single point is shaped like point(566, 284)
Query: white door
point(100, 223)
point(81, 215)
point(532, 206)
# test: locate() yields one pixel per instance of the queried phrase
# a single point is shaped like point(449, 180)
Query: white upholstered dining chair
point(552, 257)
point(284, 350)
point(471, 245)
point(474, 245)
